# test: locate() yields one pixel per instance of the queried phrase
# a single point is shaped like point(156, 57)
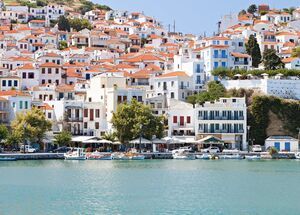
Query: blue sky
point(192, 16)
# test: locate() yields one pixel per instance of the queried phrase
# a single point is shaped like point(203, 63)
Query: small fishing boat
point(233, 156)
point(183, 156)
point(99, 156)
point(297, 155)
point(204, 156)
point(252, 157)
point(127, 156)
point(75, 154)
point(8, 159)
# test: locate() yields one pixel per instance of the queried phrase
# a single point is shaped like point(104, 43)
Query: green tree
point(253, 49)
point(31, 126)
point(13, 140)
point(242, 12)
point(63, 139)
point(62, 45)
point(215, 91)
point(296, 52)
point(63, 24)
point(3, 133)
point(252, 9)
point(111, 136)
point(271, 60)
point(79, 24)
point(134, 118)
point(289, 10)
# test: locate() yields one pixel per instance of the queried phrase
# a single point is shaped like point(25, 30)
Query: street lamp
point(248, 135)
point(141, 127)
point(24, 130)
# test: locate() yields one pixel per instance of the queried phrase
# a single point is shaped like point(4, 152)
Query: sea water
point(150, 187)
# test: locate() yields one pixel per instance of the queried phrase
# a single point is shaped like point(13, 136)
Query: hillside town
point(79, 74)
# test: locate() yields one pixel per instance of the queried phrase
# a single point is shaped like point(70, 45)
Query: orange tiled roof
point(173, 74)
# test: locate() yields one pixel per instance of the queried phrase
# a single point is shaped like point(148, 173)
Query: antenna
point(174, 26)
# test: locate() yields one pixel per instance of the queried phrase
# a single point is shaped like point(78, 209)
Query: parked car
point(62, 149)
point(256, 148)
point(28, 149)
point(211, 149)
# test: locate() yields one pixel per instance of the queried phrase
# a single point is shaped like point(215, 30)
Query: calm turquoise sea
point(150, 187)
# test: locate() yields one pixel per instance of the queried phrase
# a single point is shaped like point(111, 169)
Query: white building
point(181, 119)
point(282, 143)
point(284, 88)
point(175, 85)
point(225, 119)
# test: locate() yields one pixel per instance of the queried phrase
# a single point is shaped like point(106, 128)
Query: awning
point(210, 140)
point(143, 141)
point(97, 141)
point(82, 138)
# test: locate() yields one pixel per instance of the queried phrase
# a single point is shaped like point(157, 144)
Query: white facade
point(225, 119)
point(284, 88)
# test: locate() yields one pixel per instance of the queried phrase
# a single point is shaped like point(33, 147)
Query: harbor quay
point(147, 155)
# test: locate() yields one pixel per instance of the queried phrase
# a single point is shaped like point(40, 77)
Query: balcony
point(220, 56)
point(74, 119)
point(241, 63)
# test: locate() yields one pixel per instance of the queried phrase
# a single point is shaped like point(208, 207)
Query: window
point(174, 119)
point(188, 119)
point(198, 68)
point(24, 75)
point(226, 42)
point(49, 115)
point(241, 44)
point(96, 125)
point(57, 70)
point(9, 83)
point(43, 81)
point(3, 83)
point(30, 75)
point(85, 113)
point(97, 114)
point(21, 104)
point(216, 64)
point(26, 104)
point(14, 104)
point(172, 95)
point(43, 70)
point(172, 83)
point(85, 125)
point(15, 83)
point(223, 64)
point(215, 53)
point(49, 70)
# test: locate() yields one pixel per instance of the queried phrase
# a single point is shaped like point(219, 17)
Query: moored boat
point(183, 156)
point(75, 154)
point(233, 156)
point(99, 156)
point(252, 157)
point(204, 156)
point(297, 155)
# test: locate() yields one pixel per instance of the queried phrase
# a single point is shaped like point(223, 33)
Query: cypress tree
point(253, 49)
point(63, 24)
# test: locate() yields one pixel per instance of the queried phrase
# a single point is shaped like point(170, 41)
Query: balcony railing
point(220, 56)
point(75, 119)
point(220, 118)
point(209, 131)
point(241, 62)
